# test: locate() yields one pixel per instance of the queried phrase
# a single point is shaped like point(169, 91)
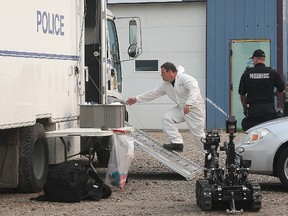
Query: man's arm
point(242, 91)
point(279, 84)
point(148, 95)
point(191, 84)
point(243, 99)
point(131, 101)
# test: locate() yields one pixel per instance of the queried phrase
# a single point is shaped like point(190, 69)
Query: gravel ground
point(152, 189)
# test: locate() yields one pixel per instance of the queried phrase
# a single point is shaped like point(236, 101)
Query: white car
point(266, 145)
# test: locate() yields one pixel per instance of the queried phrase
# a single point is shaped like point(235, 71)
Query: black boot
point(174, 147)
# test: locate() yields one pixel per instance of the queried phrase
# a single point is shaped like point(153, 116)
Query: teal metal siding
point(227, 20)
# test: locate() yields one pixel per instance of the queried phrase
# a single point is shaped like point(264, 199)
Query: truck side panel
point(39, 52)
point(40, 65)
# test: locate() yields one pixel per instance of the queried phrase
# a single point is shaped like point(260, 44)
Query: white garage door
point(170, 32)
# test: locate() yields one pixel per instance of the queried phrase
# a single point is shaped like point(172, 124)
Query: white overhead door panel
point(173, 32)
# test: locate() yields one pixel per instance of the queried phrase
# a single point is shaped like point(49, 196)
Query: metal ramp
point(171, 159)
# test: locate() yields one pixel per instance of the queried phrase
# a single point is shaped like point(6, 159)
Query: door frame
point(246, 49)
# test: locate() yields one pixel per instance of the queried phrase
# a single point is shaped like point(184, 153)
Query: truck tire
point(282, 167)
point(103, 152)
point(33, 159)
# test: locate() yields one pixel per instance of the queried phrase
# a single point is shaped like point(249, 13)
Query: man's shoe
point(174, 147)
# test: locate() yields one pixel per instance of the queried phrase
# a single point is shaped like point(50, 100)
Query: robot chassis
point(229, 184)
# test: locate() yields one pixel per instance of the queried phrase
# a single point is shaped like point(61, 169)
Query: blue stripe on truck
point(18, 54)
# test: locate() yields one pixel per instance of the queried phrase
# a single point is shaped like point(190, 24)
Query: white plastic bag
point(121, 157)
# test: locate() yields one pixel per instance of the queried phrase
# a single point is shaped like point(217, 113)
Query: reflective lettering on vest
point(259, 76)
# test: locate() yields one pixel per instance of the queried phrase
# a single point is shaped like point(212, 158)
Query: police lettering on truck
point(50, 23)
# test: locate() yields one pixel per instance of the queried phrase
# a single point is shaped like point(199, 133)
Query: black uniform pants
point(259, 113)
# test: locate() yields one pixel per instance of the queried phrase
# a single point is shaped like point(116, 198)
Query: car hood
point(278, 127)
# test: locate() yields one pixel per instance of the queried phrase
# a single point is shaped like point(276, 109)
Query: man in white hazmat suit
point(183, 89)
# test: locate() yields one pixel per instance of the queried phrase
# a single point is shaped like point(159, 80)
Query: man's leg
point(249, 122)
point(196, 123)
point(169, 121)
point(199, 143)
point(246, 124)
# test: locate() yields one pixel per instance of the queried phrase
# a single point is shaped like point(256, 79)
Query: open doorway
point(240, 52)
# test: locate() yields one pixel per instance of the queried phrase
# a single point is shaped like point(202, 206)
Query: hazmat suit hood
point(180, 69)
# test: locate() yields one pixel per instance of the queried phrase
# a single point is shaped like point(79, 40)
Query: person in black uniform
point(256, 91)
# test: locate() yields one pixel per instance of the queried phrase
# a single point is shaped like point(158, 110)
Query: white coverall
point(185, 92)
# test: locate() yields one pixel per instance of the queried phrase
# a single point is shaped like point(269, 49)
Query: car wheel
point(282, 168)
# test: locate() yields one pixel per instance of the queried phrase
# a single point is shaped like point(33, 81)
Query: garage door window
point(146, 65)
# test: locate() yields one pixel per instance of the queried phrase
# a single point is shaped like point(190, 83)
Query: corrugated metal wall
point(233, 19)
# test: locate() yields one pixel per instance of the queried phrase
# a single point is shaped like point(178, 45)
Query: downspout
point(279, 55)
point(284, 47)
point(104, 36)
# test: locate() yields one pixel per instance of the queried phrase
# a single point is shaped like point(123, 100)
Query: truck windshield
point(114, 47)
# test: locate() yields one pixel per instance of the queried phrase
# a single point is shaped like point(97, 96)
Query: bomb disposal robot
point(229, 185)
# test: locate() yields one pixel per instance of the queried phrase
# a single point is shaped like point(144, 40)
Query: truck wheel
point(33, 159)
point(103, 152)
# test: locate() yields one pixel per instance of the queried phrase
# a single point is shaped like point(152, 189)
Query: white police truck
point(54, 57)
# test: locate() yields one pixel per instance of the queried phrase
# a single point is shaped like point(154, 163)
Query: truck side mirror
point(135, 37)
point(132, 50)
point(133, 32)
point(133, 40)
